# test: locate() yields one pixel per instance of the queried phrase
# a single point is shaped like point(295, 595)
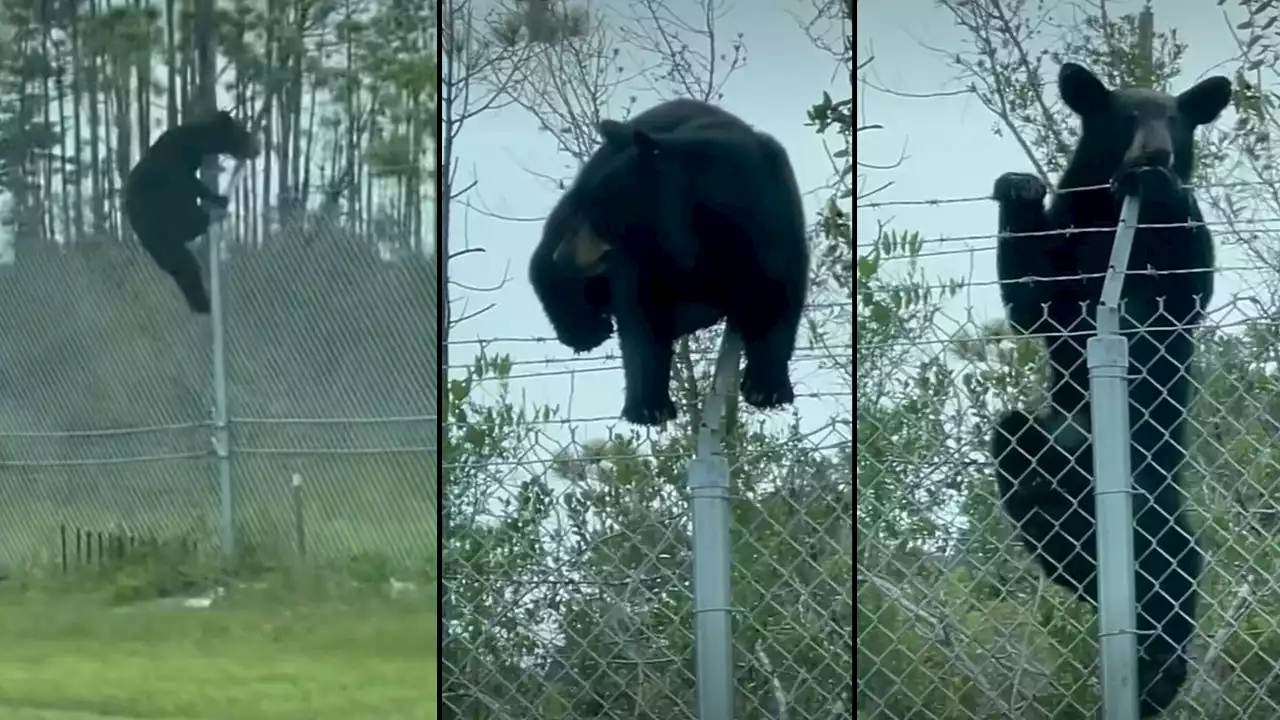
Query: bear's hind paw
point(766, 390)
point(766, 395)
point(652, 413)
point(1161, 677)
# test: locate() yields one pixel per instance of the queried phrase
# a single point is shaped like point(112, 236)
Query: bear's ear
point(614, 133)
point(1082, 91)
point(1204, 101)
point(645, 143)
point(621, 137)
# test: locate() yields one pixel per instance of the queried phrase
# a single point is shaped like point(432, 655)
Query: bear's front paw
point(1147, 182)
point(766, 389)
point(1019, 189)
point(651, 410)
point(587, 333)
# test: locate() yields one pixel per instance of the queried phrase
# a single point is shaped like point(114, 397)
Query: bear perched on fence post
point(162, 196)
point(1050, 265)
point(684, 216)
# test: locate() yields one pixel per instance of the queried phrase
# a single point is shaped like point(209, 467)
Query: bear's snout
point(1152, 147)
point(1152, 158)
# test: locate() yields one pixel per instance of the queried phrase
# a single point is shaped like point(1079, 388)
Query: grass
point(75, 656)
point(298, 638)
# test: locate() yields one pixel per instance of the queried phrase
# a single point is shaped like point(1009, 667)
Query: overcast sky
point(503, 153)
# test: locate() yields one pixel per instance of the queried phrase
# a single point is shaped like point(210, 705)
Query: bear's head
point(616, 181)
point(633, 194)
point(604, 202)
point(1133, 128)
point(222, 134)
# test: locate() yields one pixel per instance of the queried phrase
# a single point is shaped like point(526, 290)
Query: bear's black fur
point(162, 196)
point(1044, 462)
point(684, 216)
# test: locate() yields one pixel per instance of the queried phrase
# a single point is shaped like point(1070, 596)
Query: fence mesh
point(955, 617)
point(331, 360)
point(331, 379)
point(567, 562)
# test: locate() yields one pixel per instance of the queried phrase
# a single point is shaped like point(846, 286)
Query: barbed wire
point(545, 448)
point(580, 420)
point(551, 339)
point(1084, 332)
point(614, 361)
point(1051, 192)
point(1236, 226)
point(578, 365)
point(613, 364)
point(697, 352)
point(1150, 272)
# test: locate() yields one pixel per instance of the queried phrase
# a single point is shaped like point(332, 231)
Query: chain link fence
point(107, 422)
point(956, 619)
point(568, 562)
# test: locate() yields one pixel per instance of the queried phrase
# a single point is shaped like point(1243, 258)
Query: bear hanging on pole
point(1050, 263)
point(168, 206)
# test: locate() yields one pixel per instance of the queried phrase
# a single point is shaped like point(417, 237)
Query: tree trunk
point(97, 200)
point(77, 109)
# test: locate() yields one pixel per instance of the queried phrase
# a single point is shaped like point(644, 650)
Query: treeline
point(348, 86)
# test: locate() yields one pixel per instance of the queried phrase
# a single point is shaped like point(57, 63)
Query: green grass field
point(77, 657)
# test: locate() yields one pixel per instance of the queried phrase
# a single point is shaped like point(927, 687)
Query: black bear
point(1131, 141)
point(685, 215)
point(162, 195)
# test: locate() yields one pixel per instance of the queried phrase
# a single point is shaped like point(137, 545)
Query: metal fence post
point(1108, 360)
point(711, 512)
point(221, 432)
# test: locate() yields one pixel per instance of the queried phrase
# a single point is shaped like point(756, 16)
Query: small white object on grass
point(401, 587)
point(203, 601)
